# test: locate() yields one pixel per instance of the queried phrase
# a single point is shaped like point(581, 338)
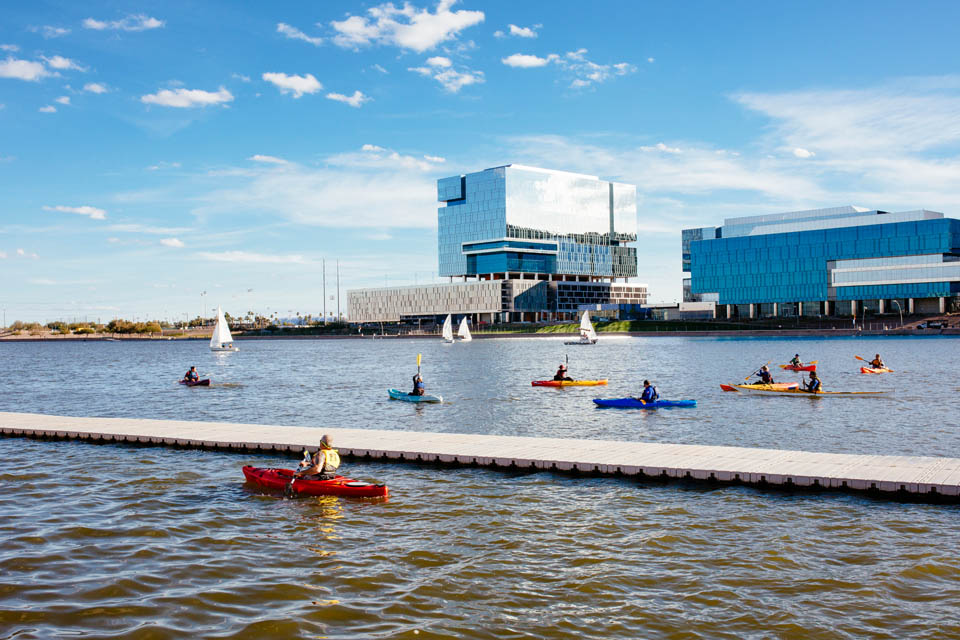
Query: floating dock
point(919, 477)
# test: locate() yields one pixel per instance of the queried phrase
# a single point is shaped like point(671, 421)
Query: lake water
point(121, 541)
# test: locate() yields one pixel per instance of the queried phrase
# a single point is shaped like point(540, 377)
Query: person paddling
point(765, 376)
point(561, 374)
point(322, 465)
point(797, 362)
point(192, 375)
point(813, 386)
point(649, 393)
point(877, 363)
point(418, 388)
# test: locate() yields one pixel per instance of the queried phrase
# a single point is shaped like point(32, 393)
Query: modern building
point(526, 244)
point(838, 261)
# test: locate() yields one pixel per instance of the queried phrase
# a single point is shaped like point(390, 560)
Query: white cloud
point(436, 159)
point(47, 109)
point(440, 69)
point(356, 100)
point(370, 188)
point(92, 212)
point(187, 98)
point(407, 27)
point(53, 32)
point(896, 145)
point(661, 147)
point(172, 242)
point(95, 87)
point(163, 165)
point(650, 60)
point(59, 62)
point(252, 258)
point(3, 255)
point(295, 34)
point(23, 69)
point(371, 147)
point(439, 61)
point(584, 72)
point(380, 69)
point(523, 32)
point(21, 252)
point(803, 153)
point(240, 77)
point(138, 22)
point(297, 85)
point(9, 47)
point(267, 159)
point(63, 100)
point(525, 61)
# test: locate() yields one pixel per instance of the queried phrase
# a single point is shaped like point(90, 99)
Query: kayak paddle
point(418, 363)
point(757, 371)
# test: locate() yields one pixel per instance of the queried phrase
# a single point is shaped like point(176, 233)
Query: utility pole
point(324, 267)
point(338, 290)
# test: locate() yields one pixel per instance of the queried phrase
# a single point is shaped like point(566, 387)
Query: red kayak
point(339, 486)
point(793, 367)
point(196, 383)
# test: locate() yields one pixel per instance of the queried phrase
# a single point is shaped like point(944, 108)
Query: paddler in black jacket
point(192, 375)
point(561, 374)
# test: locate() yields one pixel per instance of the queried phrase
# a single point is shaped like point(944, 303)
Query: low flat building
point(526, 244)
point(838, 261)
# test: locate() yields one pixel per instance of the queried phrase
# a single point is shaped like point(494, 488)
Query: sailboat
point(464, 331)
point(448, 329)
point(587, 333)
point(221, 340)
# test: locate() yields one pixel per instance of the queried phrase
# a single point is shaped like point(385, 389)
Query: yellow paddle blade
point(418, 360)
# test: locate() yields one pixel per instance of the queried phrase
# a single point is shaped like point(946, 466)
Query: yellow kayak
point(568, 383)
point(800, 392)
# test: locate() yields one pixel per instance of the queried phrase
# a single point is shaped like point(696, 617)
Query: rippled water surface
point(121, 541)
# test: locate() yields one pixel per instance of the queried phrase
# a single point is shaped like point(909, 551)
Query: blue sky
point(153, 151)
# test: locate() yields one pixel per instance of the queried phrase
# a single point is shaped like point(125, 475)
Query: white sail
point(221, 339)
point(448, 329)
point(464, 331)
point(586, 328)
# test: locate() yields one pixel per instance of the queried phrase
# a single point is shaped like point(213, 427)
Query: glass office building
point(529, 244)
point(838, 261)
point(513, 220)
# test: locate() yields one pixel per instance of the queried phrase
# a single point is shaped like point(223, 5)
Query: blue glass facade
point(852, 254)
point(523, 219)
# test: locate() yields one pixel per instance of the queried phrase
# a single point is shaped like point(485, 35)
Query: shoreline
point(744, 333)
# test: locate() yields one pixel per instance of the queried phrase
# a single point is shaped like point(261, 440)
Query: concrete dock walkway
point(928, 477)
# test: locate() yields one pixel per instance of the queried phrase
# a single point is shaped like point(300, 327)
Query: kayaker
point(649, 393)
point(877, 363)
point(797, 362)
point(322, 465)
point(418, 388)
point(561, 374)
point(765, 376)
point(813, 386)
point(192, 375)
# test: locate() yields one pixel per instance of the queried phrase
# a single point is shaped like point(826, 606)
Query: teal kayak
point(633, 403)
point(396, 394)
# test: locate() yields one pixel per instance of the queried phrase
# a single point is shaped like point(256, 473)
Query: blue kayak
point(633, 403)
point(396, 394)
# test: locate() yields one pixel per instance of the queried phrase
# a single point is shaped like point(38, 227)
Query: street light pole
point(203, 318)
point(900, 309)
point(338, 291)
point(324, 267)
